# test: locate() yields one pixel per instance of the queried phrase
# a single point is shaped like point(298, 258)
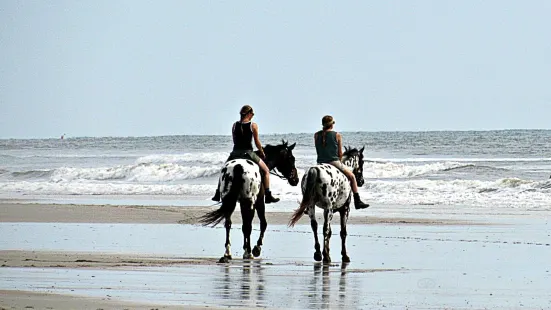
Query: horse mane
point(350, 152)
point(284, 145)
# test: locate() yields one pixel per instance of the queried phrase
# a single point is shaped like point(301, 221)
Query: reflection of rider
point(243, 132)
point(329, 151)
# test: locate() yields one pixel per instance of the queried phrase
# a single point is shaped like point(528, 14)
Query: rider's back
point(242, 136)
point(327, 146)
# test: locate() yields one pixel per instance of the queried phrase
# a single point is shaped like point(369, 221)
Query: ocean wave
point(390, 170)
point(72, 188)
point(135, 173)
point(205, 158)
point(31, 174)
point(509, 192)
point(459, 159)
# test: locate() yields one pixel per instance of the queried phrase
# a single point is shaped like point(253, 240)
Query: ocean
point(482, 169)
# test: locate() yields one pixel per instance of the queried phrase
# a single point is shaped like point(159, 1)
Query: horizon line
point(279, 133)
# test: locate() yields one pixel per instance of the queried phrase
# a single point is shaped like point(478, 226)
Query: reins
point(278, 175)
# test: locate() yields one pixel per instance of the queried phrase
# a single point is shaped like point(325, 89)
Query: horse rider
point(329, 151)
point(243, 132)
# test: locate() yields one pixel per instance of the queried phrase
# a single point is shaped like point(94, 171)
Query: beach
point(69, 256)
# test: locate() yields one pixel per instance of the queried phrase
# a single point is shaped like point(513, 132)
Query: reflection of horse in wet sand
point(240, 181)
point(328, 188)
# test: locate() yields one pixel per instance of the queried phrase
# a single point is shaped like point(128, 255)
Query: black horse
point(241, 181)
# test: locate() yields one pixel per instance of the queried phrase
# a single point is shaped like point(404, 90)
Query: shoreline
point(134, 214)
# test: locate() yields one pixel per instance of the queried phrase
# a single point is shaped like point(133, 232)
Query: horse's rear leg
point(247, 214)
point(327, 216)
point(312, 213)
point(344, 218)
point(261, 211)
point(227, 254)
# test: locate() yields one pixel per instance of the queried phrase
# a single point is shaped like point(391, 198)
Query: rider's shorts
point(339, 165)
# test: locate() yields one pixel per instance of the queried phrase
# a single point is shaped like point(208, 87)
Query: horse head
point(354, 159)
point(281, 158)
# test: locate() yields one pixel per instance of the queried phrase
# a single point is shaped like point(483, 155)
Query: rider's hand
point(262, 155)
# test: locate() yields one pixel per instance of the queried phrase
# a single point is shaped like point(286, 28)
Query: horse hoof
point(317, 257)
point(248, 256)
point(327, 260)
point(224, 260)
point(256, 251)
point(346, 259)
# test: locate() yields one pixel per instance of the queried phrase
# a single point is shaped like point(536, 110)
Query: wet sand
point(73, 213)
point(132, 257)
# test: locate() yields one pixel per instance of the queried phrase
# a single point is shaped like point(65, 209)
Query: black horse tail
point(228, 201)
point(307, 197)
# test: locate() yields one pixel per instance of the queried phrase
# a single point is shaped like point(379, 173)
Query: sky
point(148, 68)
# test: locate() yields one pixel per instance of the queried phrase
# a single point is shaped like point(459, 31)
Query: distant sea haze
point(505, 169)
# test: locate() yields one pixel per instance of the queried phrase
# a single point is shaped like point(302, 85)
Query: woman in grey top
point(329, 151)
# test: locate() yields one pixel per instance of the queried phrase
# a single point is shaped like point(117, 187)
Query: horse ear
point(292, 146)
point(362, 149)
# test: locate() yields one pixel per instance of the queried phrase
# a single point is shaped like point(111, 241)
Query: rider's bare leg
point(266, 180)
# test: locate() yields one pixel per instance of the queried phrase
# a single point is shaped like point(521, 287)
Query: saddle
point(239, 155)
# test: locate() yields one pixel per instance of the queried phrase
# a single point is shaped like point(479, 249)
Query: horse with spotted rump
point(241, 181)
point(327, 187)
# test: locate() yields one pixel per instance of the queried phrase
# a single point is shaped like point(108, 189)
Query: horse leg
point(247, 214)
point(344, 218)
point(312, 213)
point(261, 211)
point(327, 217)
point(227, 254)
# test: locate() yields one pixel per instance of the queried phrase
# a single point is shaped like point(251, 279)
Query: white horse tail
point(228, 201)
point(307, 197)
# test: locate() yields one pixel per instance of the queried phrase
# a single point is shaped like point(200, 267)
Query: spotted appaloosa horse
point(328, 188)
point(241, 181)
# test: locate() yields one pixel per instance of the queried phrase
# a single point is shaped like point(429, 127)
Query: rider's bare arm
point(339, 142)
point(257, 140)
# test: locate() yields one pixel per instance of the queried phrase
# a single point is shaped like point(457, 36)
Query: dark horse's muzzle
point(293, 177)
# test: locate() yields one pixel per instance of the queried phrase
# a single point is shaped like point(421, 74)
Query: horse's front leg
point(327, 217)
point(344, 219)
point(247, 214)
point(227, 254)
point(312, 213)
point(261, 211)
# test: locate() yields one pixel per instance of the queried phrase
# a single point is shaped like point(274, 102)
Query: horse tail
point(307, 197)
point(228, 201)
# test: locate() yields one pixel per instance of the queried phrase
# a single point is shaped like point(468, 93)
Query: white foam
point(376, 170)
point(513, 193)
point(88, 188)
point(508, 192)
point(458, 159)
point(206, 158)
point(138, 173)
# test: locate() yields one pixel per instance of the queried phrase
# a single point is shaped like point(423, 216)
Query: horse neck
point(269, 161)
point(350, 162)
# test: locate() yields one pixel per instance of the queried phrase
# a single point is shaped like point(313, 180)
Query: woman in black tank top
point(244, 132)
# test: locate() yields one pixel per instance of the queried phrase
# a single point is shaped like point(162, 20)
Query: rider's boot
point(268, 198)
point(358, 203)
